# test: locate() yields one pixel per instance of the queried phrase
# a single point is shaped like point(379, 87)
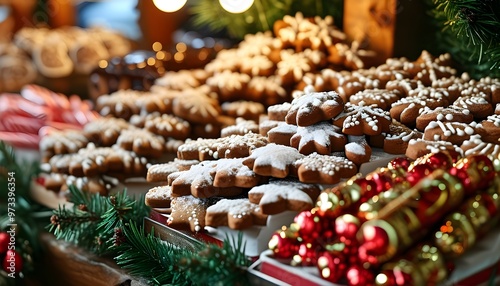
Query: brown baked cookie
point(282, 133)
point(420, 147)
point(324, 169)
point(404, 86)
point(196, 105)
point(443, 114)
point(273, 160)
point(358, 152)
point(165, 125)
point(104, 131)
point(182, 79)
point(119, 104)
point(249, 110)
point(397, 139)
point(239, 146)
point(454, 132)
point(278, 112)
point(497, 109)
point(362, 120)
point(257, 65)
point(228, 85)
point(278, 196)
point(201, 149)
point(293, 66)
point(241, 127)
point(236, 214)
point(323, 138)
point(223, 177)
point(489, 129)
point(61, 142)
point(265, 125)
point(475, 145)
point(381, 98)
point(160, 172)
point(142, 142)
point(159, 197)
point(267, 90)
point(314, 107)
point(188, 213)
point(478, 106)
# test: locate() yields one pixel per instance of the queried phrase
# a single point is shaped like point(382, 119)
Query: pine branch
point(94, 222)
point(151, 258)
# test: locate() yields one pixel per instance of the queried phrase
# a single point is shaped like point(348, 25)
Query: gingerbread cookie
point(443, 114)
point(323, 138)
point(324, 169)
point(380, 98)
point(397, 139)
point(241, 127)
point(358, 151)
point(273, 160)
point(489, 129)
point(236, 214)
point(104, 131)
point(249, 110)
point(267, 90)
point(228, 85)
point(61, 142)
point(281, 195)
point(475, 145)
point(454, 132)
point(362, 120)
point(478, 106)
point(120, 104)
point(160, 172)
point(282, 133)
point(159, 197)
point(278, 112)
point(420, 147)
point(195, 105)
point(188, 213)
point(223, 177)
point(239, 146)
point(142, 142)
point(314, 107)
point(182, 79)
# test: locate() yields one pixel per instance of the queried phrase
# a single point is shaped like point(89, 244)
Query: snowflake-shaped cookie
point(273, 160)
point(362, 120)
point(324, 169)
point(314, 107)
point(323, 138)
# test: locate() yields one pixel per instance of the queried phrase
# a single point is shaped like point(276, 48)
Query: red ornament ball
point(374, 244)
point(283, 244)
point(332, 266)
point(308, 225)
point(359, 276)
point(308, 254)
point(418, 172)
point(4, 242)
point(12, 262)
point(401, 162)
point(347, 226)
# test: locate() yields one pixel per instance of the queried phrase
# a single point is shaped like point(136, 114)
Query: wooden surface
point(68, 265)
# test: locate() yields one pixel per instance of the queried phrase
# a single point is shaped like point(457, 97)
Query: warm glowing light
point(236, 6)
point(169, 5)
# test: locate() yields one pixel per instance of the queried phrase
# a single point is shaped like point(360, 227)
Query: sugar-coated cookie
point(362, 120)
point(273, 160)
point(159, 197)
point(420, 147)
point(236, 214)
point(324, 169)
point(358, 152)
point(278, 196)
point(314, 107)
point(323, 138)
point(188, 213)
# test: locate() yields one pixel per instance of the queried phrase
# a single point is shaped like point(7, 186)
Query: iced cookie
point(273, 160)
point(236, 214)
point(324, 169)
point(314, 107)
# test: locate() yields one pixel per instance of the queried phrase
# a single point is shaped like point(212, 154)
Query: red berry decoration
point(332, 266)
point(12, 262)
point(284, 244)
point(359, 276)
point(4, 242)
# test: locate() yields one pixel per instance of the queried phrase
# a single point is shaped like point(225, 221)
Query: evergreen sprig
point(30, 216)
point(109, 226)
point(261, 15)
point(94, 220)
point(469, 31)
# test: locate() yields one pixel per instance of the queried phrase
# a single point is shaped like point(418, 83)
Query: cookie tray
point(479, 266)
point(255, 238)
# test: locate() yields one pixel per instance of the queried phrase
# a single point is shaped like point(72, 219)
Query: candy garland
point(376, 229)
